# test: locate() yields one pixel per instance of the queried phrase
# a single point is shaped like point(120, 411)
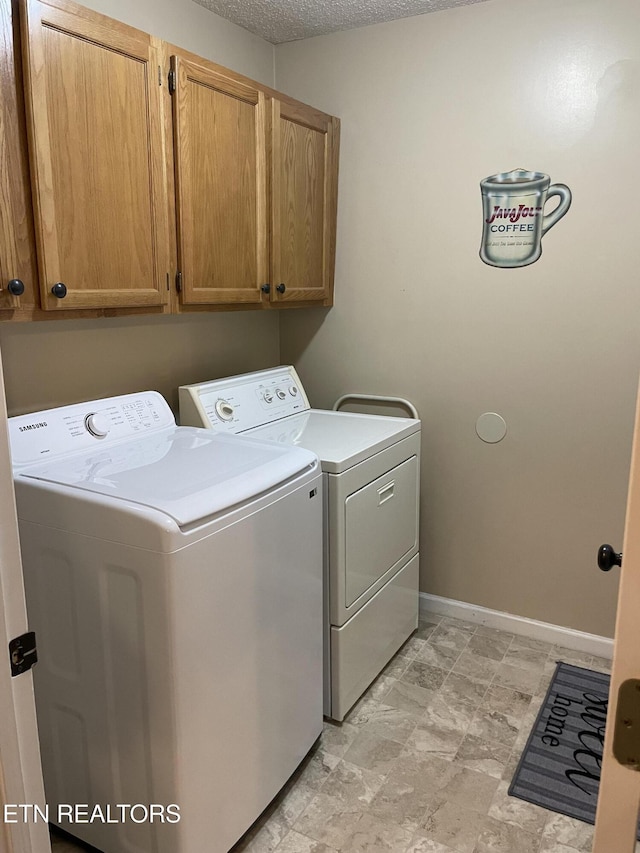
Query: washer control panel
point(58, 432)
point(241, 402)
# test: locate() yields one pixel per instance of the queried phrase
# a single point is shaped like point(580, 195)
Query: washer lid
point(185, 472)
point(339, 439)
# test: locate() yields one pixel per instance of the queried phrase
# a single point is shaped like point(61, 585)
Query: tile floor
point(422, 763)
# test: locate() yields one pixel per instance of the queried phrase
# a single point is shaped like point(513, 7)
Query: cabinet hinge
point(178, 282)
point(159, 75)
point(172, 81)
point(168, 285)
point(22, 653)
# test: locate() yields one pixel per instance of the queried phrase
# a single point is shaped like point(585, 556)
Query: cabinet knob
point(16, 287)
point(266, 288)
point(281, 287)
point(59, 290)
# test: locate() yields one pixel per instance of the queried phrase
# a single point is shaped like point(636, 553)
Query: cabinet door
point(94, 116)
point(304, 169)
point(220, 155)
point(17, 242)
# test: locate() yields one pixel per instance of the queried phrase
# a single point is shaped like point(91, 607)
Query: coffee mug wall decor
point(514, 222)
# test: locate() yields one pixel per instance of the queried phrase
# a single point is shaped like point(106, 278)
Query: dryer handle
point(376, 398)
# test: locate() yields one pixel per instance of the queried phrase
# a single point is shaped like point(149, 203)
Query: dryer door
point(381, 527)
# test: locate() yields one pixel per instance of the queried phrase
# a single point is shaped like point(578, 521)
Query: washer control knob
point(97, 424)
point(280, 393)
point(267, 397)
point(293, 391)
point(224, 410)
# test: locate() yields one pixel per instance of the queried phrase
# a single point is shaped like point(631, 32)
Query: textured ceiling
point(287, 20)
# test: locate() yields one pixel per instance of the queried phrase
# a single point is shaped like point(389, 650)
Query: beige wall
point(53, 363)
point(429, 107)
point(186, 24)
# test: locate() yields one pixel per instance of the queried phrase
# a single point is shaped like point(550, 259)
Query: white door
point(619, 797)
point(20, 770)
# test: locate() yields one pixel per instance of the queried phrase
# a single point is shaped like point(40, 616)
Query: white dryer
point(371, 471)
point(174, 580)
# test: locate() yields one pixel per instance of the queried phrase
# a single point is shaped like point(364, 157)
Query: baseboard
point(556, 634)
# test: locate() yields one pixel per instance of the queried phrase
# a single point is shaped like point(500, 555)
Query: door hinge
point(626, 732)
point(23, 653)
point(159, 75)
point(178, 282)
point(172, 81)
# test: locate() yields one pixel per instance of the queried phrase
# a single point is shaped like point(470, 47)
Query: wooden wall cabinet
point(304, 149)
point(256, 177)
point(94, 115)
point(221, 186)
point(17, 256)
point(225, 187)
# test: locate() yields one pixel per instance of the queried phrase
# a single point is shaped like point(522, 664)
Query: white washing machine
point(371, 472)
point(174, 581)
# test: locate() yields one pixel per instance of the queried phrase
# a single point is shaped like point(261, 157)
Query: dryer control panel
point(238, 403)
point(58, 432)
